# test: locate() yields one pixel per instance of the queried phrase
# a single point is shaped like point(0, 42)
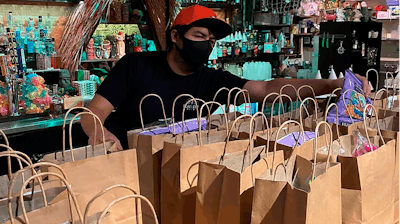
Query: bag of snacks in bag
point(362, 146)
point(351, 102)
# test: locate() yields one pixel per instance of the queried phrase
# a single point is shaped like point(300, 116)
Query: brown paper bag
point(94, 174)
point(367, 181)
point(81, 152)
point(150, 152)
point(273, 137)
point(303, 192)
point(389, 127)
point(104, 216)
point(217, 120)
point(225, 184)
point(58, 212)
point(385, 111)
point(5, 180)
point(179, 173)
point(241, 129)
point(35, 197)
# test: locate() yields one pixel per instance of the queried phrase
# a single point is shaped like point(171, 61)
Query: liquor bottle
point(10, 21)
point(219, 49)
point(56, 105)
point(229, 49)
point(53, 54)
point(355, 40)
point(40, 23)
point(224, 50)
point(238, 46)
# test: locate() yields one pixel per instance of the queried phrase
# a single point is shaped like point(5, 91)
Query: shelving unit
point(41, 2)
point(214, 5)
point(304, 34)
point(100, 60)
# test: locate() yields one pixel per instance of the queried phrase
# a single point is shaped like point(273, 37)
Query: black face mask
point(195, 53)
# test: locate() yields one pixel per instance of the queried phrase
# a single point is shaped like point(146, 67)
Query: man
point(179, 70)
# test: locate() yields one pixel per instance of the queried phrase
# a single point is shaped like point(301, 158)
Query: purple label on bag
point(290, 139)
point(190, 125)
point(355, 104)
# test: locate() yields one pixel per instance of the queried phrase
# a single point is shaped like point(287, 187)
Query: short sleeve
point(228, 80)
point(116, 86)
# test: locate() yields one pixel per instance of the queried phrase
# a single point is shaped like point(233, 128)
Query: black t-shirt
point(138, 74)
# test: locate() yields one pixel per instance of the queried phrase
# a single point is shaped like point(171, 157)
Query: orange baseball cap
point(198, 15)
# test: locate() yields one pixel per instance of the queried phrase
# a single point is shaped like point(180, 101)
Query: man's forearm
point(259, 89)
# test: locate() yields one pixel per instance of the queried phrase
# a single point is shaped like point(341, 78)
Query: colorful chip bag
point(353, 100)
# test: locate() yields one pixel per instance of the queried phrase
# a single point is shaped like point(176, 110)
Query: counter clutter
point(289, 168)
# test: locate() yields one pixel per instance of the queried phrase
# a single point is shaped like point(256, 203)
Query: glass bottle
point(9, 21)
point(224, 49)
point(56, 103)
point(229, 49)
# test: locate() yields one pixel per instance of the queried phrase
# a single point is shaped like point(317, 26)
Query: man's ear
point(174, 35)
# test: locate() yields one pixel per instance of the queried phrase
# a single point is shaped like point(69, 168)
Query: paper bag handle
point(243, 91)
point(173, 109)
point(301, 130)
point(387, 87)
point(315, 109)
point(330, 96)
point(316, 145)
point(376, 94)
point(224, 114)
point(64, 124)
point(8, 159)
point(265, 100)
point(125, 198)
point(70, 195)
point(279, 107)
point(377, 124)
point(102, 193)
point(289, 85)
point(229, 97)
point(345, 106)
point(377, 77)
point(230, 132)
point(234, 103)
point(251, 142)
point(5, 137)
point(94, 144)
point(337, 118)
point(18, 155)
point(21, 172)
point(299, 96)
point(295, 92)
point(216, 94)
point(198, 114)
point(162, 106)
point(385, 108)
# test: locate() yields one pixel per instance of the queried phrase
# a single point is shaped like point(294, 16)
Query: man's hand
point(109, 137)
point(366, 86)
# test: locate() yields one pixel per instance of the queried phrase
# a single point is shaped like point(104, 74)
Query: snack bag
point(352, 97)
point(362, 145)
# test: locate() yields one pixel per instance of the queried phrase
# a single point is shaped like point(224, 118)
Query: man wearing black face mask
point(180, 70)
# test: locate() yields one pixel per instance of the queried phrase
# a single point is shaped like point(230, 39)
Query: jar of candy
point(35, 97)
point(4, 104)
